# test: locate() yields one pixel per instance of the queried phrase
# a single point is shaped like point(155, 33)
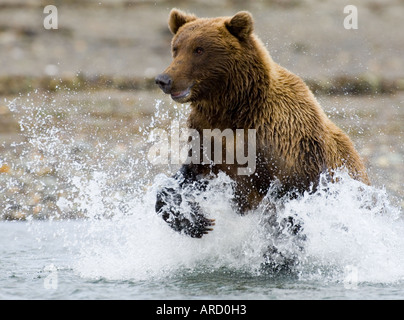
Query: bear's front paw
point(193, 223)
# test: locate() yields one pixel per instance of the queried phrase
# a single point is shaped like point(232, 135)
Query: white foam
point(347, 224)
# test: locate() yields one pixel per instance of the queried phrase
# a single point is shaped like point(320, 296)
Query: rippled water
point(117, 247)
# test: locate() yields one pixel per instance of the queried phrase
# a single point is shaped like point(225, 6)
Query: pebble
point(388, 160)
point(5, 168)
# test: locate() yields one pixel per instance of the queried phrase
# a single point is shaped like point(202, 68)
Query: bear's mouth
point(181, 96)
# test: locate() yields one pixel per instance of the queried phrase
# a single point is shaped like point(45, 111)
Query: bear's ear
point(241, 25)
point(178, 18)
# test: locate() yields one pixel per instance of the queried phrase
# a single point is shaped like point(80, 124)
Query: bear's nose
point(164, 81)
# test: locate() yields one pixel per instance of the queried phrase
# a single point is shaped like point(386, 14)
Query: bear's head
point(207, 52)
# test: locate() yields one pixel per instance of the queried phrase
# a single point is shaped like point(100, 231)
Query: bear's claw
point(199, 227)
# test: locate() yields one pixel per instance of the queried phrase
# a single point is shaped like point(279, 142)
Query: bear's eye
point(198, 50)
point(175, 50)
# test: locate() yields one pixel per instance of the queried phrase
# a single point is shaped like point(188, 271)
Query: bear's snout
point(164, 81)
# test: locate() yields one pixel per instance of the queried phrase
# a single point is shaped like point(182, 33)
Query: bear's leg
point(170, 204)
point(287, 240)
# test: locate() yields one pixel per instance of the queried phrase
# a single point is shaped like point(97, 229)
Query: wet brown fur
point(236, 84)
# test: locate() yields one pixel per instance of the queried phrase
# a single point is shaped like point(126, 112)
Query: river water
point(80, 193)
point(137, 257)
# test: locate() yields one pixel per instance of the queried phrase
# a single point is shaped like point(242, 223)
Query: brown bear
point(225, 72)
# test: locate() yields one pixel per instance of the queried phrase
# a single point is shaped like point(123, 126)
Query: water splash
point(351, 224)
point(108, 183)
point(346, 224)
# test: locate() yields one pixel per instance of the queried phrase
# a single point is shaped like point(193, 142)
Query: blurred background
point(104, 56)
point(130, 39)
